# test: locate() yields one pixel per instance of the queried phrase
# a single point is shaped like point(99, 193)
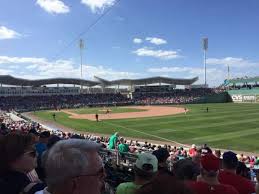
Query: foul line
point(158, 137)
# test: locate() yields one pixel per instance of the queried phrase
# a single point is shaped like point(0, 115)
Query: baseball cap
point(33, 131)
point(230, 158)
point(209, 162)
point(193, 146)
point(161, 154)
point(146, 158)
point(45, 134)
point(206, 150)
point(185, 168)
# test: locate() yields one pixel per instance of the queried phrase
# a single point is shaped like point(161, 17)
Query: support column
point(118, 89)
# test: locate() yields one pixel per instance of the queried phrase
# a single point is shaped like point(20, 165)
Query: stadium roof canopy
point(146, 81)
point(242, 80)
point(9, 80)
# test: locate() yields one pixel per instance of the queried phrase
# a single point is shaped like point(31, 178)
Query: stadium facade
point(12, 86)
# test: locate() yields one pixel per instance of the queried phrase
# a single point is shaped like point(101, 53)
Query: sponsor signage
point(249, 98)
point(237, 98)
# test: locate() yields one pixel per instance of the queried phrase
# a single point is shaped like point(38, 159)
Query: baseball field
point(230, 126)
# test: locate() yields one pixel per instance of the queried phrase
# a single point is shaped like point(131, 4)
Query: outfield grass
point(229, 126)
point(101, 110)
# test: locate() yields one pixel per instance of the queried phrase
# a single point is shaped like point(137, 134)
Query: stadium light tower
point(228, 73)
point(205, 48)
point(81, 45)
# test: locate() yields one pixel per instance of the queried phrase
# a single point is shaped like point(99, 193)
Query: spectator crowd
point(31, 103)
point(35, 160)
point(176, 96)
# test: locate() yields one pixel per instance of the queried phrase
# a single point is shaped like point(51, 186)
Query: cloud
point(156, 41)
point(98, 5)
point(232, 61)
point(6, 33)
point(137, 40)
point(161, 54)
point(53, 6)
point(16, 60)
point(215, 76)
point(32, 66)
point(5, 71)
point(43, 68)
point(169, 69)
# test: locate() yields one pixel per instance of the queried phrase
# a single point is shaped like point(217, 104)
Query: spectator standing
point(228, 175)
point(113, 140)
point(123, 147)
point(145, 169)
point(193, 150)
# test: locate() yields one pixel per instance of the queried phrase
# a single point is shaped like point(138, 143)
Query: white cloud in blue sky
point(137, 40)
point(160, 54)
point(98, 5)
point(233, 62)
point(134, 39)
point(156, 41)
point(45, 68)
point(6, 33)
point(53, 6)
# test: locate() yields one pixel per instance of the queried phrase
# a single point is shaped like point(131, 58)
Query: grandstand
point(245, 89)
point(11, 86)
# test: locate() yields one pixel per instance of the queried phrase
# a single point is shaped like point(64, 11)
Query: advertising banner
point(257, 98)
point(249, 98)
point(237, 98)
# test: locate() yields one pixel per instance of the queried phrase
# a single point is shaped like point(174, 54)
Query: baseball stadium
point(147, 109)
point(127, 97)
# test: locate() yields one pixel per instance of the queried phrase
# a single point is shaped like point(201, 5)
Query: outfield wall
point(244, 95)
point(214, 98)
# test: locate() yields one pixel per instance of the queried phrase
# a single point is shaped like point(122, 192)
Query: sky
point(134, 39)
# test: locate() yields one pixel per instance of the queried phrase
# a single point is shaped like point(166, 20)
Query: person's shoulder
point(223, 175)
point(126, 184)
point(123, 186)
point(40, 192)
point(13, 182)
point(249, 185)
point(17, 177)
point(228, 189)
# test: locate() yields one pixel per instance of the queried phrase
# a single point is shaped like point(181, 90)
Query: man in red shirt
point(207, 182)
point(228, 175)
point(193, 150)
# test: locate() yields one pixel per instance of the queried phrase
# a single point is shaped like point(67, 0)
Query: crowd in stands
point(35, 160)
point(177, 96)
point(244, 86)
point(20, 103)
point(30, 103)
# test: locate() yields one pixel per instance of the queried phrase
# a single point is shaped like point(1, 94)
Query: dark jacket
point(14, 182)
